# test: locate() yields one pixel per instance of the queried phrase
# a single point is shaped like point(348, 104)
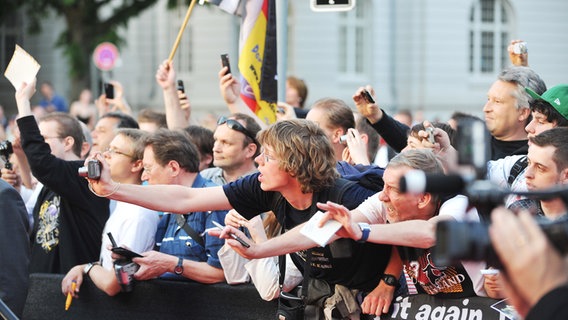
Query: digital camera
point(92, 170)
point(5, 153)
point(124, 270)
point(520, 48)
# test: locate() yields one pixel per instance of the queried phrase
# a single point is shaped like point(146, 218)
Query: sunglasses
point(237, 126)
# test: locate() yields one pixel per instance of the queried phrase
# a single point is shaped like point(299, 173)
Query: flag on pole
point(257, 54)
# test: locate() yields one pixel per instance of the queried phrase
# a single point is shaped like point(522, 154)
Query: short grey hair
point(523, 77)
point(419, 159)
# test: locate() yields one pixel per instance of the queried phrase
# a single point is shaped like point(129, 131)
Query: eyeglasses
point(237, 126)
point(114, 151)
point(265, 157)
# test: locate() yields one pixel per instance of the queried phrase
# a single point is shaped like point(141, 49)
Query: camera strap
point(517, 168)
point(182, 223)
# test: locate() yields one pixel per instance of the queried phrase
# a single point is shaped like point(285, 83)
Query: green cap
point(556, 96)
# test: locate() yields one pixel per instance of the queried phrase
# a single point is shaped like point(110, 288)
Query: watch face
point(390, 280)
point(178, 270)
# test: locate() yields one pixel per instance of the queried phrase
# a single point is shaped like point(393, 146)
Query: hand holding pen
point(70, 295)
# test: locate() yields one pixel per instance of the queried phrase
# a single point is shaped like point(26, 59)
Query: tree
point(86, 25)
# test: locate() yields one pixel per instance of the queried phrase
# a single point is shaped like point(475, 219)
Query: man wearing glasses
point(132, 226)
point(68, 218)
point(234, 150)
point(186, 251)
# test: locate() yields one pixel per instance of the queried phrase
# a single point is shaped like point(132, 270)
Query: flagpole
point(181, 29)
point(282, 46)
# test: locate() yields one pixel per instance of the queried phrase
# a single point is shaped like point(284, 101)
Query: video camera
point(5, 153)
point(456, 241)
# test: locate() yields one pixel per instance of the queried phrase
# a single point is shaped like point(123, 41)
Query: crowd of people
point(161, 185)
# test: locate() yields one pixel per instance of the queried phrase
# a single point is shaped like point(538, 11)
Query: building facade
point(431, 55)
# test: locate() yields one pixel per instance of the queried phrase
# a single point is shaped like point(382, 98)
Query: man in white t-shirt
point(409, 221)
point(132, 226)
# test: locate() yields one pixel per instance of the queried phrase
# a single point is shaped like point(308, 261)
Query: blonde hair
point(305, 150)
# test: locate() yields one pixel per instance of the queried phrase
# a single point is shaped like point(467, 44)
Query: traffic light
point(331, 5)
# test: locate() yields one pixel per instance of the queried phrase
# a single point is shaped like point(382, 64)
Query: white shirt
point(375, 211)
point(498, 172)
point(131, 226)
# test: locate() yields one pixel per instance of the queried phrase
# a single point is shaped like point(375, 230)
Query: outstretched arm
point(412, 233)
point(168, 198)
point(290, 241)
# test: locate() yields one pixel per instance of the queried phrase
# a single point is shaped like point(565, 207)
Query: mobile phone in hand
point(221, 227)
point(367, 95)
point(225, 62)
point(180, 86)
point(109, 90)
point(122, 251)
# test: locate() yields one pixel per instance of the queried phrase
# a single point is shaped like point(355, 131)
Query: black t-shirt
point(501, 149)
point(68, 218)
point(363, 263)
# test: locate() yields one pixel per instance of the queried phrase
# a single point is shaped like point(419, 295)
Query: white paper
point(22, 68)
point(320, 235)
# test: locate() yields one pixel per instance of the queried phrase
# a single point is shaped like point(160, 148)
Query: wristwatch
point(390, 280)
point(88, 267)
point(179, 268)
point(366, 230)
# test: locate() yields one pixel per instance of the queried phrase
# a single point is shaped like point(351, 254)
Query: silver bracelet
point(116, 186)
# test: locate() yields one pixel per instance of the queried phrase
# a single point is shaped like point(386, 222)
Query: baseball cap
point(556, 96)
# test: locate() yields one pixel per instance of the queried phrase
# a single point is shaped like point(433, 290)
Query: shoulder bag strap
point(182, 223)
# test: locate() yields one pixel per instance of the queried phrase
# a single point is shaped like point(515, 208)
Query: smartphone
point(122, 251)
point(368, 96)
point(109, 90)
point(225, 62)
point(180, 86)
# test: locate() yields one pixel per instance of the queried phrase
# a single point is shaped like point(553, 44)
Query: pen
point(234, 236)
point(69, 296)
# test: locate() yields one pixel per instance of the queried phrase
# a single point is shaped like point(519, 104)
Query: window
point(9, 37)
point(489, 36)
point(353, 26)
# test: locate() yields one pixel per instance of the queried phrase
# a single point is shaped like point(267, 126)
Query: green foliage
point(86, 26)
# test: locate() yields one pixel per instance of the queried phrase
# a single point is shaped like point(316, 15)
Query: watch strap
point(390, 280)
point(365, 230)
point(179, 267)
point(88, 267)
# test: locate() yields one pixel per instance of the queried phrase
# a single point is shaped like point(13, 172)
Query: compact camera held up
point(92, 170)
point(124, 270)
point(5, 153)
point(520, 48)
